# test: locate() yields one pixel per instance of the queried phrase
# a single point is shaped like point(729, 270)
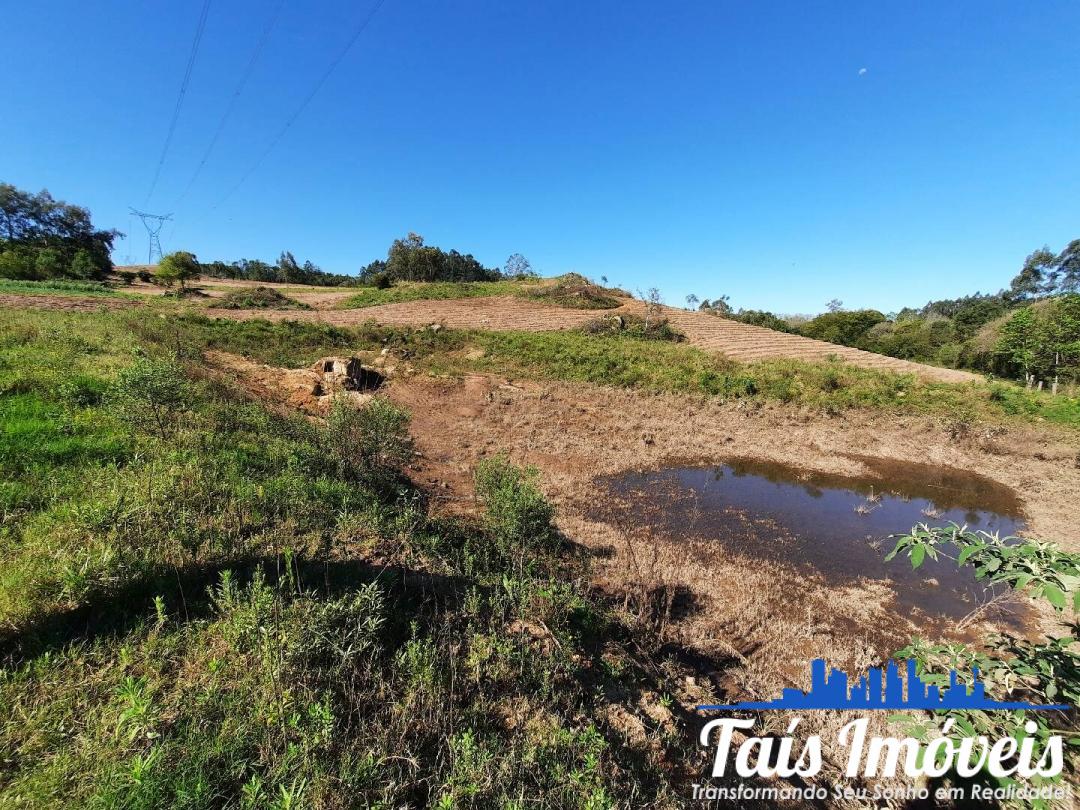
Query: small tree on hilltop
point(835, 305)
point(691, 301)
point(517, 266)
point(653, 301)
point(180, 266)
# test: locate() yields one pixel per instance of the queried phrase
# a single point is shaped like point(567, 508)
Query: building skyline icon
point(878, 690)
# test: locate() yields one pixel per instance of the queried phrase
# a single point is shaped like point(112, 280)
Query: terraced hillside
point(738, 341)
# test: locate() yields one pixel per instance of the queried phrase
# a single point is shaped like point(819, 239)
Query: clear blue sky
point(783, 153)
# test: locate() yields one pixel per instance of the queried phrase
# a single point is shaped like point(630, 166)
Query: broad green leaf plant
point(1010, 668)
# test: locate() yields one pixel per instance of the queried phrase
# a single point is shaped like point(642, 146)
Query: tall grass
point(253, 610)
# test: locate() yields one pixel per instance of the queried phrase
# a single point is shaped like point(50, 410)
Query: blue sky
point(783, 154)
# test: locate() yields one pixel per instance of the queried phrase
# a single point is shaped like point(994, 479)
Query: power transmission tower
point(153, 224)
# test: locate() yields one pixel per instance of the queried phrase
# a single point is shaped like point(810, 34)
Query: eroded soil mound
point(311, 390)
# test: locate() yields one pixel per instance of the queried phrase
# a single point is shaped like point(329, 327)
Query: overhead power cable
point(244, 77)
point(307, 100)
point(180, 97)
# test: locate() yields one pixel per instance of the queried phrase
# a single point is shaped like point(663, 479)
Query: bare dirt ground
point(763, 620)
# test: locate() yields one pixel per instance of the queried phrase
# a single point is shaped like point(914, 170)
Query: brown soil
point(767, 619)
point(310, 390)
point(65, 303)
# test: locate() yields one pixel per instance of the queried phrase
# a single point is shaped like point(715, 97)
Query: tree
point(653, 301)
point(409, 259)
point(1066, 274)
point(1034, 275)
point(845, 328)
point(32, 223)
point(517, 266)
point(288, 269)
point(835, 305)
point(718, 306)
point(691, 301)
point(180, 266)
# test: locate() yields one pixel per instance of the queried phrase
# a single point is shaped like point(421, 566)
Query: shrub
point(127, 277)
point(151, 390)
point(16, 264)
point(259, 298)
point(49, 263)
point(577, 292)
point(83, 266)
point(517, 516)
point(634, 326)
point(369, 445)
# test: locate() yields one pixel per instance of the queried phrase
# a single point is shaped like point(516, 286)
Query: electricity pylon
point(153, 224)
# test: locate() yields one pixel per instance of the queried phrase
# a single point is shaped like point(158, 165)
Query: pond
point(834, 525)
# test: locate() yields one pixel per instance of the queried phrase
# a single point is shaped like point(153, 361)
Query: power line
point(180, 98)
point(245, 76)
point(307, 100)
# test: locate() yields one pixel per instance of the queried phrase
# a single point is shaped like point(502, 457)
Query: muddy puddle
point(833, 525)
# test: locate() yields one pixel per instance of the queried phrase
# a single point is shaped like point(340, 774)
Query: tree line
point(43, 238)
point(1031, 328)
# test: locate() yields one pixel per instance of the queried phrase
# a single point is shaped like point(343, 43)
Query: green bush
point(845, 328)
point(151, 391)
point(369, 445)
point(517, 516)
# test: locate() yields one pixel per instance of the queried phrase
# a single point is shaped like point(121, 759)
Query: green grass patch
point(572, 291)
point(222, 606)
point(55, 287)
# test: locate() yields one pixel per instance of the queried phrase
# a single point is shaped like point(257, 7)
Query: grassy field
point(204, 604)
point(55, 287)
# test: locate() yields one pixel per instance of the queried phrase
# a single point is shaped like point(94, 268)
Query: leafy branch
point(1034, 566)
point(1046, 672)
